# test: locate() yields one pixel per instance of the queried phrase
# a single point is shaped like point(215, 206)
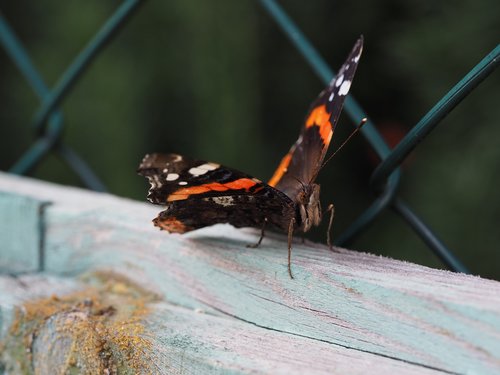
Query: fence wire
point(48, 121)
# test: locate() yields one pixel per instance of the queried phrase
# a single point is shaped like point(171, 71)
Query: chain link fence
point(48, 121)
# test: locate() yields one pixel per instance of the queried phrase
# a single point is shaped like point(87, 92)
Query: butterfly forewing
point(300, 166)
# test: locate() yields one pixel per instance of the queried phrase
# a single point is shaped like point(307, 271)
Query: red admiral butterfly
point(197, 193)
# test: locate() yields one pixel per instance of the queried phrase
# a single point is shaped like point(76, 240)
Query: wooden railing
point(90, 286)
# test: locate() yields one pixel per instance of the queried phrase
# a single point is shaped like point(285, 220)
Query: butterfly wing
point(302, 163)
point(197, 193)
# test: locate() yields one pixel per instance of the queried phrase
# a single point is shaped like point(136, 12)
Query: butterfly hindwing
point(197, 193)
point(302, 163)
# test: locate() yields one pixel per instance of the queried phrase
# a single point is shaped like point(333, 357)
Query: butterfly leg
point(255, 245)
point(330, 208)
point(290, 237)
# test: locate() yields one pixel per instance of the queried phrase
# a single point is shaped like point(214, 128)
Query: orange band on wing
point(171, 225)
point(184, 193)
point(281, 170)
point(320, 117)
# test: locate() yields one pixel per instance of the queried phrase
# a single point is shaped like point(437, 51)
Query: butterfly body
point(197, 193)
point(308, 207)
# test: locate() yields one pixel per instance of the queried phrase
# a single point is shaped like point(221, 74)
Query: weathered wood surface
point(345, 312)
point(23, 240)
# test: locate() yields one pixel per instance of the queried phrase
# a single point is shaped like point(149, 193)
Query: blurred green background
point(219, 81)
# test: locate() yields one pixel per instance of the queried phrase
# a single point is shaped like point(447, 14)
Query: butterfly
point(198, 193)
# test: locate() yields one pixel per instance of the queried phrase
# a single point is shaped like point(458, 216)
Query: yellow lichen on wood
point(98, 329)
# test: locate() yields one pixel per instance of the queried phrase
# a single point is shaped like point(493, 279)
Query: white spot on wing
point(331, 97)
point(165, 170)
point(177, 158)
point(344, 89)
point(157, 180)
point(339, 80)
point(223, 201)
point(195, 171)
point(183, 183)
point(154, 182)
point(172, 176)
point(202, 169)
point(151, 182)
point(209, 166)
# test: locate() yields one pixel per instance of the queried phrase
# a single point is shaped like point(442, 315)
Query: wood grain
point(356, 311)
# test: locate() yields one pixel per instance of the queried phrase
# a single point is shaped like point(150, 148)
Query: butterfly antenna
point(354, 132)
point(300, 182)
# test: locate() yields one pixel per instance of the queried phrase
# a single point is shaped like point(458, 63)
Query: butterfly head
point(309, 206)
